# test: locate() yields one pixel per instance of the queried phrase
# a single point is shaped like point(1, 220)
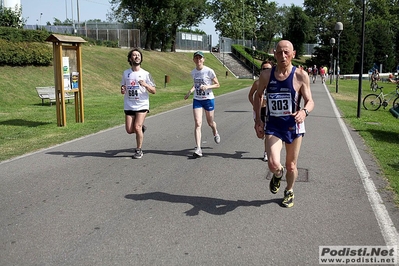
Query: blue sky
point(42, 11)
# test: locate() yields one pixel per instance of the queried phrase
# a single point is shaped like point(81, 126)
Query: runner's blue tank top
point(282, 101)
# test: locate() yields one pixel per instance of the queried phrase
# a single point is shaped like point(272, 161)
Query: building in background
point(11, 4)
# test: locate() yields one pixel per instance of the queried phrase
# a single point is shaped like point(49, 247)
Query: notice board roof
point(64, 38)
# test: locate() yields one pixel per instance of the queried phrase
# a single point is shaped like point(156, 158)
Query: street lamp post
point(332, 43)
point(253, 61)
point(386, 63)
point(339, 27)
point(40, 22)
point(223, 50)
point(359, 91)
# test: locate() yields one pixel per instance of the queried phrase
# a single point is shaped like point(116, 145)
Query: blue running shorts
point(208, 105)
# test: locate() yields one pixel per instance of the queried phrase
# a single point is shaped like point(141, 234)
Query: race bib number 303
point(280, 104)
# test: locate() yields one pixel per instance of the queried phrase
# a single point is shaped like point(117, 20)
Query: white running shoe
point(197, 152)
point(217, 138)
point(265, 157)
point(138, 154)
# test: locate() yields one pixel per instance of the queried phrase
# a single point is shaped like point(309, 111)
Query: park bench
point(48, 93)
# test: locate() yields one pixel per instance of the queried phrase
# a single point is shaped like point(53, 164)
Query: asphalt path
point(86, 202)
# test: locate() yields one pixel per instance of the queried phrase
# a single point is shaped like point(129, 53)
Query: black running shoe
point(275, 182)
point(288, 200)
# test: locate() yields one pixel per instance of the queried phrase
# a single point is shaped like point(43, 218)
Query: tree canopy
point(381, 32)
point(159, 20)
point(11, 18)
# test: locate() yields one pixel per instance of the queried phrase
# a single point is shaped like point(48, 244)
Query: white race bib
point(133, 92)
point(279, 104)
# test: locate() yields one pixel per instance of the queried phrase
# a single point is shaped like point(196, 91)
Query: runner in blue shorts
point(265, 65)
point(204, 81)
point(285, 86)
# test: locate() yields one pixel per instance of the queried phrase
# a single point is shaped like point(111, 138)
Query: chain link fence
point(128, 38)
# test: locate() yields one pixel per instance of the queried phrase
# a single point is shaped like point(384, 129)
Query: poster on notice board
point(66, 73)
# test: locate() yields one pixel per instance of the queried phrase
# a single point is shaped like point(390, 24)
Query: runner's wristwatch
point(306, 111)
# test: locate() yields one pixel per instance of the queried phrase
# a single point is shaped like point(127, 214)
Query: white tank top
point(204, 76)
point(136, 97)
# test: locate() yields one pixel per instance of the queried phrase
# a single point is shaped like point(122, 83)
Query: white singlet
point(204, 76)
point(136, 97)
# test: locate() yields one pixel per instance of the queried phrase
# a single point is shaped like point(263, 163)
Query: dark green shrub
point(25, 53)
point(20, 35)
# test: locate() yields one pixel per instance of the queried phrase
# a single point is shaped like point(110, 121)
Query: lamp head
point(332, 41)
point(339, 27)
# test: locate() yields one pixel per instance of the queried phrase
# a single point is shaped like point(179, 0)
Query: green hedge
point(25, 53)
point(19, 47)
point(245, 55)
point(21, 35)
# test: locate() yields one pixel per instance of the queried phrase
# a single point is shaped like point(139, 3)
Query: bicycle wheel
point(396, 103)
point(372, 102)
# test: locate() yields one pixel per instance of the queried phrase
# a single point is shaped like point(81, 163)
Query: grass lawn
point(379, 129)
point(27, 126)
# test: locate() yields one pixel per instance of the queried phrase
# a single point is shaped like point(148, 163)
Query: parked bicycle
point(373, 101)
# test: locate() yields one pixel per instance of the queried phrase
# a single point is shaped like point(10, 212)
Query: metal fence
point(191, 41)
point(124, 37)
point(102, 31)
point(226, 43)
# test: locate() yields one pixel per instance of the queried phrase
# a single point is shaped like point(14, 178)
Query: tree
point(229, 19)
point(159, 20)
point(298, 30)
point(382, 19)
point(11, 18)
point(58, 22)
point(271, 23)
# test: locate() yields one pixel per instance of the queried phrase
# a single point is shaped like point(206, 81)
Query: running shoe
point(144, 128)
point(288, 200)
point(265, 157)
point(275, 183)
point(217, 138)
point(197, 152)
point(138, 154)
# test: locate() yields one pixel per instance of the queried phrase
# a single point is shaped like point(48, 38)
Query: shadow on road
point(213, 206)
point(129, 152)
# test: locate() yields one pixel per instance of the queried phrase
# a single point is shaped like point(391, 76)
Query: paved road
point(86, 202)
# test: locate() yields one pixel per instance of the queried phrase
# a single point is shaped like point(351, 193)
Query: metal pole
point(338, 69)
point(339, 27)
point(331, 65)
point(332, 42)
point(359, 92)
point(77, 9)
point(253, 60)
point(243, 35)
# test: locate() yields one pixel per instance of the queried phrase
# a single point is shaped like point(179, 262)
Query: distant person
point(204, 81)
point(285, 87)
point(309, 71)
point(315, 72)
point(375, 76)
point(326, 73)
point(393, 79)
point(322, 75)
point(136, 85)
point(265, 65)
